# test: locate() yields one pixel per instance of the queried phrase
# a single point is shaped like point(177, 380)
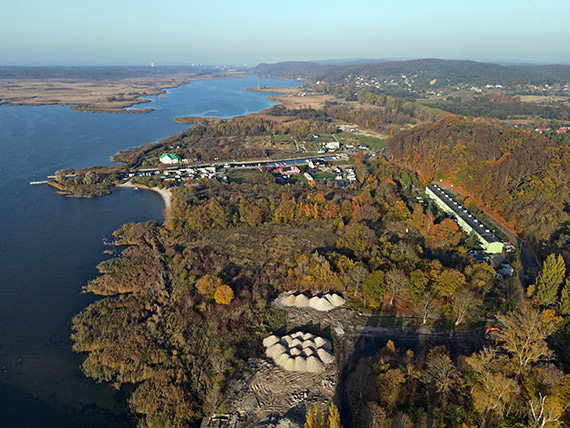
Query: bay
point(50, 244)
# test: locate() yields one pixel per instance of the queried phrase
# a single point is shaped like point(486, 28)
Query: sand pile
point(300, 352)
point(321, 302)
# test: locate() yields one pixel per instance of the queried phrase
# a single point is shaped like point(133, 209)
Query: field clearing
point(373, 142)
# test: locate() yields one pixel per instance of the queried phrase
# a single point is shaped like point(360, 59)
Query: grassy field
point(373, 143)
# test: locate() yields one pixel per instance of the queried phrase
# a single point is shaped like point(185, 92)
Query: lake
point(50, 244)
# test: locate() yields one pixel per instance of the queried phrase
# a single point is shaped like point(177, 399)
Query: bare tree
point(465, 304)
point(427, 307)
point(525, 335)
point(397, 283)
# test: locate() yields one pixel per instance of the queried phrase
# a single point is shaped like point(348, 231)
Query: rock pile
point(300, 352)
point(320, 302)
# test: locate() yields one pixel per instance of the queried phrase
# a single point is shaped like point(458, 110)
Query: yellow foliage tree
point(224, 295)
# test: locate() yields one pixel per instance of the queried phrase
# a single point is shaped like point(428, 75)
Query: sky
point(237, 32)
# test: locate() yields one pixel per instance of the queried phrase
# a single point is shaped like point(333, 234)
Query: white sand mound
point(325, 356)
point(307, 352)
point(302, 352)
point(289, 364)
point(319, 342)
point(297, 335)
point(314, 365)
point(336, 300)
point(270, 340)
point(308, 336)
point(300, 364)
point(301, 301)
point(313, 301)
point(323, 305)
point(296, 343)
point(283, 358)
point(288, 300)
point(275, 351)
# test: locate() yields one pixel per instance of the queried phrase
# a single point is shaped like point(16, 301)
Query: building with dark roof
point(466, 219)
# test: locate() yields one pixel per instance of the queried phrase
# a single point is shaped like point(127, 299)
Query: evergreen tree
point(564, 304)
point(549, 280)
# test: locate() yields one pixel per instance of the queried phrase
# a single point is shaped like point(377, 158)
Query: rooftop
point(471, 219)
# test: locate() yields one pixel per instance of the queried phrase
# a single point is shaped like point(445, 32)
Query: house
point(332, 145)
point(542, 128)
point(288, 170)
point(169, 158)
point(466, 219)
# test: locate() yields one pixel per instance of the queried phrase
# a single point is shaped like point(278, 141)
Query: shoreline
point(166, 194)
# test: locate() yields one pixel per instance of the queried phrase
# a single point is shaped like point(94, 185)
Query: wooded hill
point(523, 176)
point(447, 72)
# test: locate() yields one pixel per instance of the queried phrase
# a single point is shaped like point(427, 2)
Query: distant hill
point(423, 71)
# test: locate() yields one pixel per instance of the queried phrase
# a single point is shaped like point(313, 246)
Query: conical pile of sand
point(319, 302)
point(301, 352)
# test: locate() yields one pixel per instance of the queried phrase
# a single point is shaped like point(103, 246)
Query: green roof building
point(169, 158)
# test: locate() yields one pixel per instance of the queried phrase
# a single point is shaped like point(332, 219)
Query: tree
point(207, 285)
point(224, 294)
point(390, 387)
point(544, 411)
point(564, 304)
point(465, 304)
point(549, 280)
point(448, 282)
point(397, 284)
point(427, 307)
point(440, 372)
point(492, 390)
point(374, 288)
point(525, 334)
point(316, 418)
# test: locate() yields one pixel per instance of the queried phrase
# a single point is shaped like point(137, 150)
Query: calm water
point(50, 244)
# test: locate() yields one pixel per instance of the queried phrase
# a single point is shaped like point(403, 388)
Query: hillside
point(523, 176)
point(423, 71)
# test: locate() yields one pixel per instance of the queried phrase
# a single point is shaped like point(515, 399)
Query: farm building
point(466, 219)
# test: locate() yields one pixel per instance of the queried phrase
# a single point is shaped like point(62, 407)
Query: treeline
point(447, 72)
point(520, 175)
point(483, 107)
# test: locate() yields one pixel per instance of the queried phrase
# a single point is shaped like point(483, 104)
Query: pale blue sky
point(125, 32)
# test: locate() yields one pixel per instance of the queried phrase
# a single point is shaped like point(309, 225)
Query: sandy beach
point(165, 193)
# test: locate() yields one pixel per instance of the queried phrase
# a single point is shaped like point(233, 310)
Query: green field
point(373, 143)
